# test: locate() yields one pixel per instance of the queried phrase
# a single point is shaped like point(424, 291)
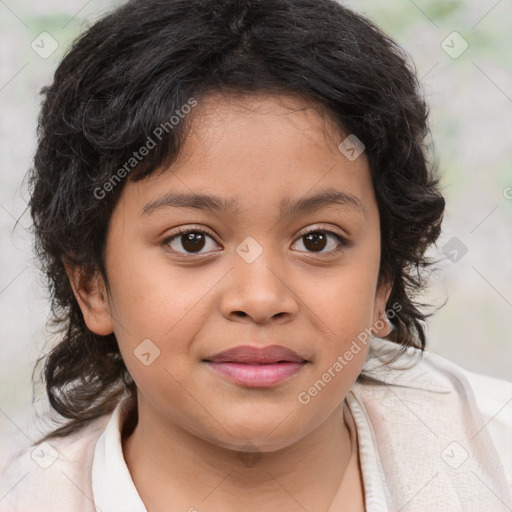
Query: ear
point(381, 327)
point(91, 294)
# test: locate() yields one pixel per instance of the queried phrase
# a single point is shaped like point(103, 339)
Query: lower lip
point(257, 375)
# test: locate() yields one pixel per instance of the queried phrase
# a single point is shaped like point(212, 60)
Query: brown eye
point(189, 241)
point(316, 240)
point(193, 242)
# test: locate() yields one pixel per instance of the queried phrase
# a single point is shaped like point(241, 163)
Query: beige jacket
point(434, 437)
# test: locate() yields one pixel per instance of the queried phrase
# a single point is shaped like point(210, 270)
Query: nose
point(259, 292)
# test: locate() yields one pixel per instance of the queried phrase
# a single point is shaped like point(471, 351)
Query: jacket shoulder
point(494, 399)
point(53, 475)
point(492, 396)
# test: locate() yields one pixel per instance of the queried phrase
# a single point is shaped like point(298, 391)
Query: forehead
point(265, 114)
point(258, 151)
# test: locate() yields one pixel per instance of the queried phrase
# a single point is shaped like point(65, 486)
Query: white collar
point(115, 491)
point(112, 484)
point(451, 412)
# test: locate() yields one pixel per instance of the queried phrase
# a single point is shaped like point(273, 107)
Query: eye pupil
point(315, 241)
point(193, 241)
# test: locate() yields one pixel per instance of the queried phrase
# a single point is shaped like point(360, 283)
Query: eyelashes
point(189, 240)
point(341, 241)
point(192, 241)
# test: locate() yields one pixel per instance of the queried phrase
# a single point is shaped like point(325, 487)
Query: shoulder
point(436, 376)
point(493, 397)
point(494, 400)
point(53, 475)
point(430, 371)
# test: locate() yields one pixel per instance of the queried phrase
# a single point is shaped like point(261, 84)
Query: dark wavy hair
point(134, 68)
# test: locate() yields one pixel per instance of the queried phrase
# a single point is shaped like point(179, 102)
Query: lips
point(256, 355)
point(256, 367)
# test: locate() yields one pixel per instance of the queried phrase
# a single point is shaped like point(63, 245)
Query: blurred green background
point(462, 51)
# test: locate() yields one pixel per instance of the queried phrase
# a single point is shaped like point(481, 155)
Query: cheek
point(348, 298)
point(345, 306)
point(154, 313)
point(152, 297)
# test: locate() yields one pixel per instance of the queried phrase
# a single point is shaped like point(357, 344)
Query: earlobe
point(91, 295)
point(381, 326)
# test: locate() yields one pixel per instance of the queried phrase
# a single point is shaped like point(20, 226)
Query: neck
point(171, 466)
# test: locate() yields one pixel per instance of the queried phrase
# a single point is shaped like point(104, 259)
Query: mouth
point(257, 367)
point(262, 375)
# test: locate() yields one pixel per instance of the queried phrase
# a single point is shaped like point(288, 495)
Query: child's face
point(303, 294)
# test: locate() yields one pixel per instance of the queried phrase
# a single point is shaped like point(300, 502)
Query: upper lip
point(249, 354)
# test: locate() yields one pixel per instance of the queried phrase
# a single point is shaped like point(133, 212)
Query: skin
point(195, 427)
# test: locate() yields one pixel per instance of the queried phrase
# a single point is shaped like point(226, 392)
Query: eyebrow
point(287, 206)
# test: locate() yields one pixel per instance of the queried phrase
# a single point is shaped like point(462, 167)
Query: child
point(232, 203)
